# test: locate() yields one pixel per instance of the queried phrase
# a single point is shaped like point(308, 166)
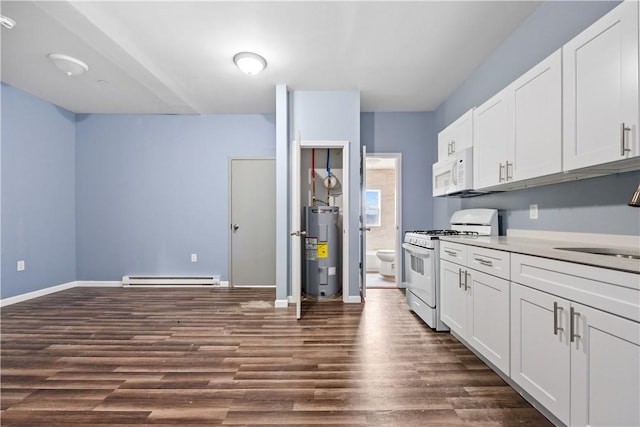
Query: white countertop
point(548, 249)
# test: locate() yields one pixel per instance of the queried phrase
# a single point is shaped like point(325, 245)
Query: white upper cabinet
point(490, 142)
point(535, 101)
point(518, 132)
point(456, 136)
point(600, 89)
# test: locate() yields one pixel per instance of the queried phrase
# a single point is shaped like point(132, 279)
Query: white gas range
point(422, 260)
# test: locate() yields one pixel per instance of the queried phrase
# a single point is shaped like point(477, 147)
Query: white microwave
point(454, 176)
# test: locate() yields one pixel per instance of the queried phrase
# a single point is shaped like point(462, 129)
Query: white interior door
point(296, 209)
point(363, 222)
point(253, 218)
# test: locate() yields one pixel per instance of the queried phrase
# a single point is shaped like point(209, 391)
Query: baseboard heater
point(170, 280)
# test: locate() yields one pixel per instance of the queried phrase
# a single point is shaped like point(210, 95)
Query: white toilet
point(387, 259)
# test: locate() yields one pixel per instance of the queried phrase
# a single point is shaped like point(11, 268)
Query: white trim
point(281, 303)
point(97, 284)
point(35, 294)
point(90, 284)
point(352, 299)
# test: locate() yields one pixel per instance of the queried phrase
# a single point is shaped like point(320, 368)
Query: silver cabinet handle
point(556, 328)
point(466, 280)
point(453, 146)
point(508, 176)
point(449, 148)
point(486, 262)
point(572, 325)
point(500, 178)
point(451, 253)
point(623, 147)
point(460, 283)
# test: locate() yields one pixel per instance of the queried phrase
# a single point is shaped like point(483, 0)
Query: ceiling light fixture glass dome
point(250, 63)
point(70, 65)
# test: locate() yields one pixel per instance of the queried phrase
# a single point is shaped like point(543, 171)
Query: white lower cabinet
point(581, 363)
point(475, 305)
point(488, 314)
point(540, 358)
point(605, 369)
point(453, 297)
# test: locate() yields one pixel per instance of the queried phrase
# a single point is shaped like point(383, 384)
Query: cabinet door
point(463, 132)
point(536, 121)
point(453, 298)
point(600, 88)
point(489, 318)
point(540, 358)
point(445, 143)
point(490, 142)
point(605, 369)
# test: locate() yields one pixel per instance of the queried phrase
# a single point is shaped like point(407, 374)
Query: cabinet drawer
point(453, 252)
point(613, 291)
point(489, 261)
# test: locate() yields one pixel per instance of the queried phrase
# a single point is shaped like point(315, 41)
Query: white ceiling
point(175, 57)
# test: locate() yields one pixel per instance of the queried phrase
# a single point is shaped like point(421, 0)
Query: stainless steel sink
point(620, 253)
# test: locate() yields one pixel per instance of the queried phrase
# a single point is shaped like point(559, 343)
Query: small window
point(372, 207)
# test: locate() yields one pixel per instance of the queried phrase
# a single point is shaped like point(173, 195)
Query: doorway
point(383, 216)
point(252, 214)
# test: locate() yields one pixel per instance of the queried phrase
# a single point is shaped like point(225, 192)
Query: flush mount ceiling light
point(70, 65)
point(7, 22)
point(250, 63)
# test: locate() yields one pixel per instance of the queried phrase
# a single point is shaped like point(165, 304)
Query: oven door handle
point(417, 250)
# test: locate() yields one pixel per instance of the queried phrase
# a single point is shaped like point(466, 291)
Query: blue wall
point(38, 193)
point(152, 189)
point(582, 206)
point(411, 134)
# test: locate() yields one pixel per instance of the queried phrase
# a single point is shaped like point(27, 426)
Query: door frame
point(230, 210)
point(296, 211)
point(398, 235)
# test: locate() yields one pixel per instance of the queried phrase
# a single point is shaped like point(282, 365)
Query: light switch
point(194, 257)
point(21, 265)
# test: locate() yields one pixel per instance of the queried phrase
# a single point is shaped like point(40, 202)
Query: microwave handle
point(454, 173)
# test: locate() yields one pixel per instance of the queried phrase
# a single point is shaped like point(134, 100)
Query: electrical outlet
point(533, 211)
point(21, 265)
point(194, 257)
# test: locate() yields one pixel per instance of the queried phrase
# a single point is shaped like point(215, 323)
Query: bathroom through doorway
point(383, 220)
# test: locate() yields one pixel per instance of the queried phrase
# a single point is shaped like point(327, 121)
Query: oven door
point(420, 272)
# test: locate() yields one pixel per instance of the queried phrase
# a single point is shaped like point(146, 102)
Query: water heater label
point(323, 250)
point(311, 245)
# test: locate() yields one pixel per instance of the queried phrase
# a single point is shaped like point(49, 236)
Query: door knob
point(235, 227)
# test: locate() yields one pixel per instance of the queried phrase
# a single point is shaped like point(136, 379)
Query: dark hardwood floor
point(199, 356)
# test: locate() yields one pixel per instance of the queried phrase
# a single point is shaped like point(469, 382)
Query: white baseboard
point(352, 299)
point(35, 294)
point(281, 303)
point(97, 284)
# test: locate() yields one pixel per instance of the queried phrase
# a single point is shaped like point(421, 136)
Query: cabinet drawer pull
point(623, 147)
point(556, 328)
point(500, 167)
point(467, 275)
point(509, 176)
point(451, 253)
point(486, 262)
point(460, 283)
point(572, 324)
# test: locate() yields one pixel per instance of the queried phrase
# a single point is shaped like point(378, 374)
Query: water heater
point(321, 259)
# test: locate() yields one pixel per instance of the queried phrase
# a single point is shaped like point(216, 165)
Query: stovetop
point(429, 238)
point(435, 233)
